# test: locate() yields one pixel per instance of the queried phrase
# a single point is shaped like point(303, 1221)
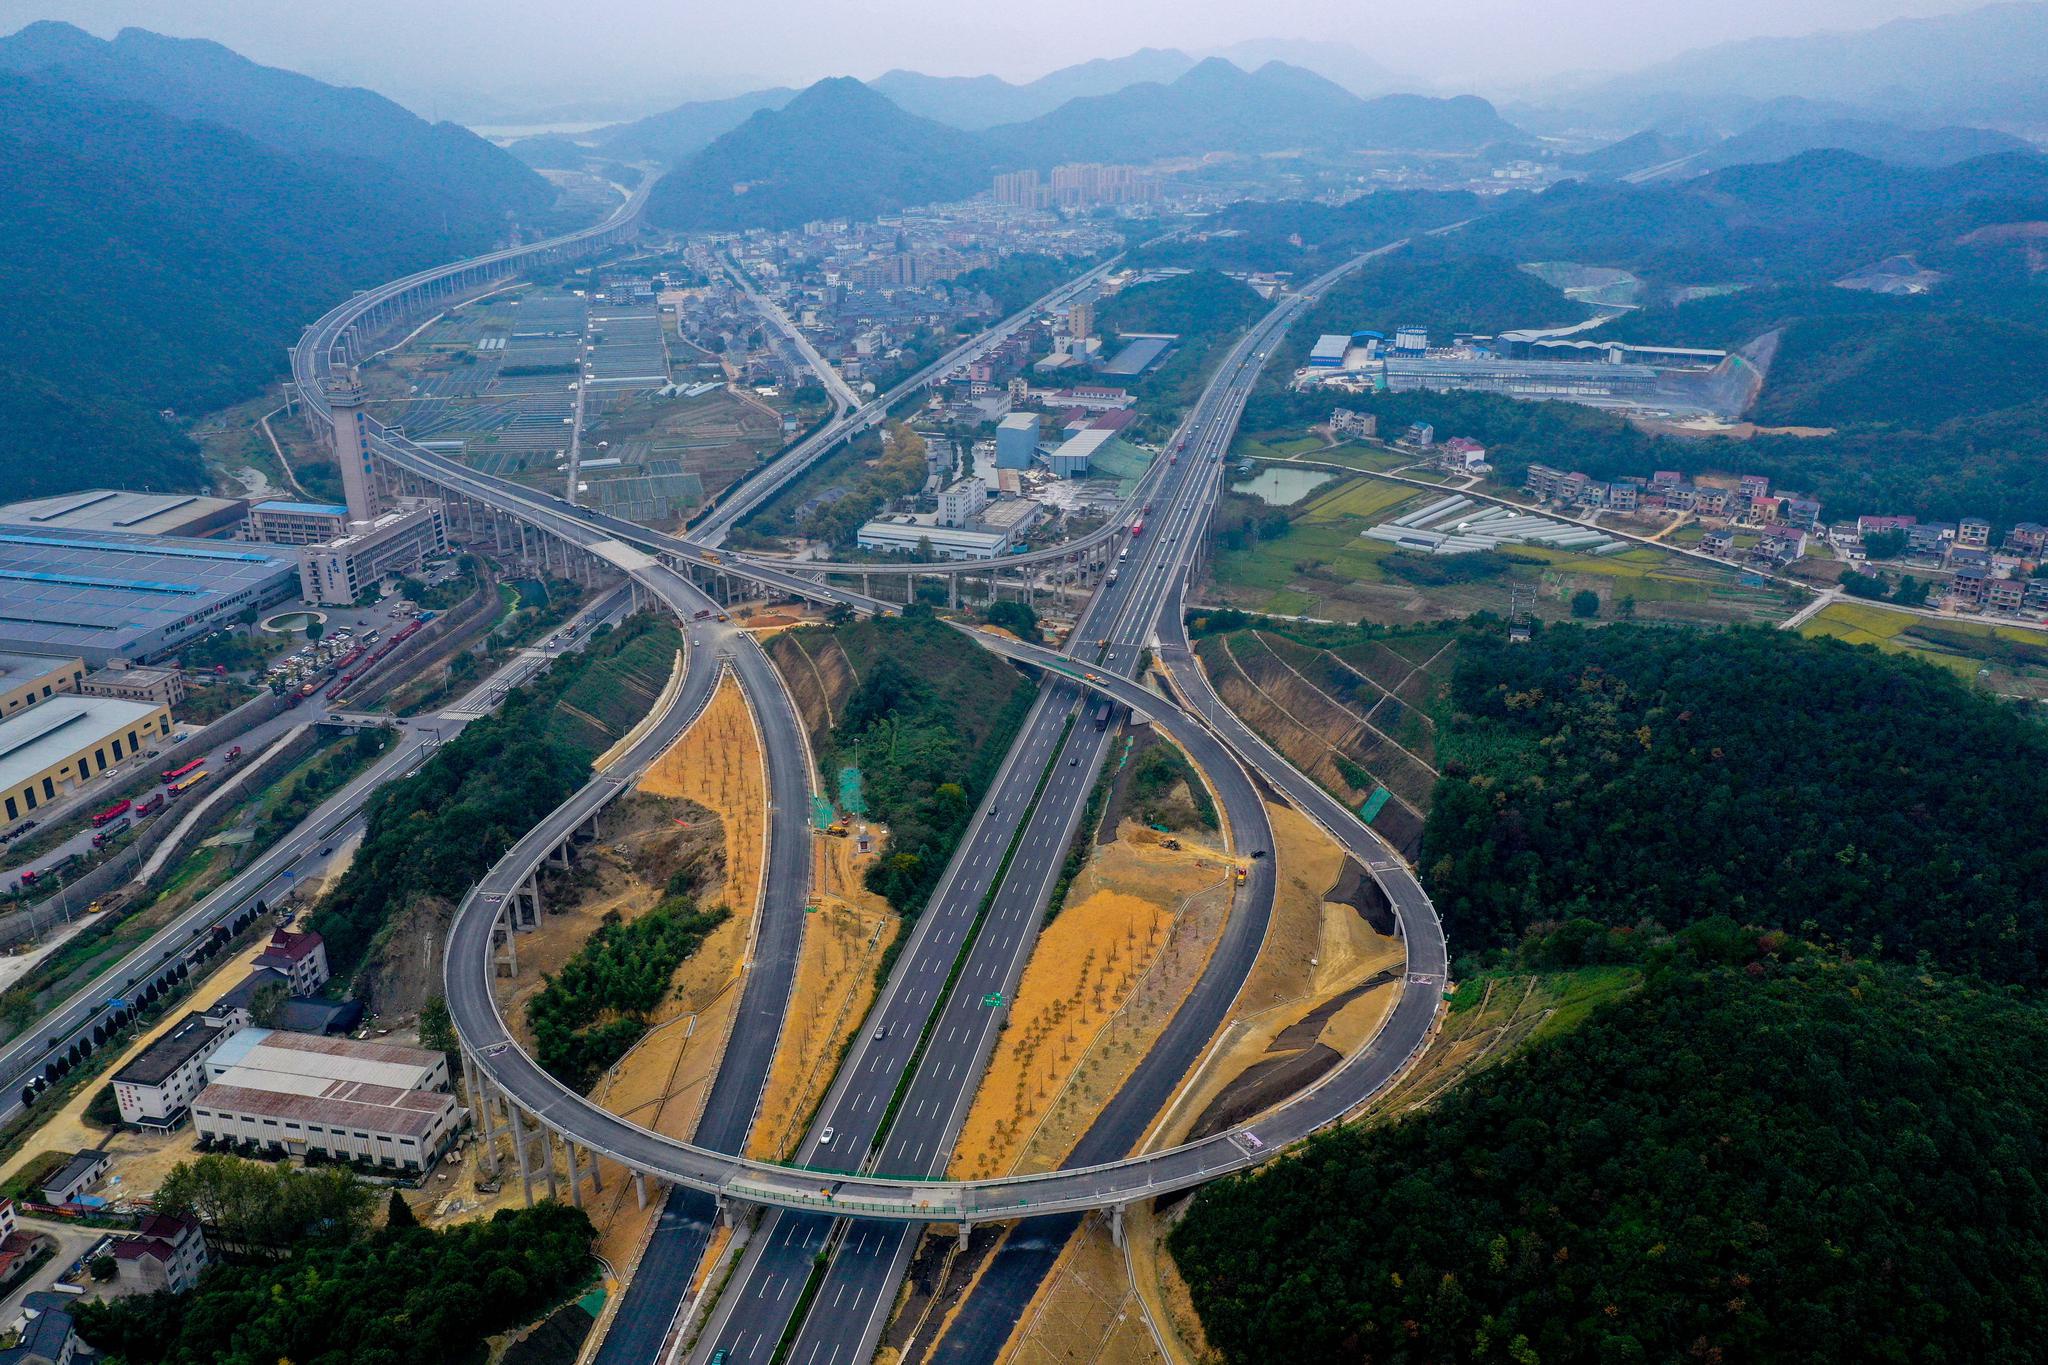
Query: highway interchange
point(892, 1122)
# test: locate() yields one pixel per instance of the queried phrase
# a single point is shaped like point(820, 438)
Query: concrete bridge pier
point(504, 936)
point(640, 1187)
point(519, 1137)
point(1116, 1225)
point(482, 1106)
point(575, 1177)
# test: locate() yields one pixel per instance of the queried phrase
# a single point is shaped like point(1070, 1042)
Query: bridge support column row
point(505, 935)
point(484, 1106)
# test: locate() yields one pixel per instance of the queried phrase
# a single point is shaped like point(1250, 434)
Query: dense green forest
point(927, 726)
point(258, 1207)
point(1915, 371)
point(395, 1297)
point(1850, 357)
point(1779, 1159)
point(1637, 774)
point(1804, 220)
point(591, 1012)
point(432, 834)
point(118, 296)
point(45, 424)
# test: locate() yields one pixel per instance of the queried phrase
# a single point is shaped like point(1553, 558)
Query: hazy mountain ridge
point(845, 149)
point(666, 137)
point(1982, 65)
point(978, 102)
point(838, 149)
point(1806, 219)
point(1676, 157)
point(1218, 106)
point(205, 82)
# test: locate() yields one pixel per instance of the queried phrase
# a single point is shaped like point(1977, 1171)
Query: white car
point(825, 1138)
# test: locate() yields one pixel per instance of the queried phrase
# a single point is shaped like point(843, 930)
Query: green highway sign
point(992, 1001)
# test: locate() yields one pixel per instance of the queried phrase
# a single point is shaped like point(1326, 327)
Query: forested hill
point(148, 262)
point(1770, 1161)
point(193, 79)
point(1635, 774)
point(836, 150)
point(1773, 1143)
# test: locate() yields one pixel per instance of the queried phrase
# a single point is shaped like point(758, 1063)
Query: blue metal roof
point(313, 509)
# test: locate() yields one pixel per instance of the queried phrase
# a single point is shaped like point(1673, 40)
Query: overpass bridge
point(511, 1094)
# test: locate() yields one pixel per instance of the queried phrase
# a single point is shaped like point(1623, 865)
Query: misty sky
point(503, 59)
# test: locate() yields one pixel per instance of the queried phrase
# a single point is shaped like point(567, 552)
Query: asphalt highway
point(868, 1258)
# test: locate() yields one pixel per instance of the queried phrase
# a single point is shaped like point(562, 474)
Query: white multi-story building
point(338, 572)
point(155, 1089)
point(962, 503)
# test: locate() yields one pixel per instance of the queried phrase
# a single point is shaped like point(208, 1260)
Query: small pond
point(1277, 486)
point(291, 622)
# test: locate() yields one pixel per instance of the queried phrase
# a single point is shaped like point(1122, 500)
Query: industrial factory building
point(142, 514)
point(48, 749)
point(98, 596)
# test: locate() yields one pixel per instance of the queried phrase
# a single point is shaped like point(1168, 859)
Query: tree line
point(396, 1296)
